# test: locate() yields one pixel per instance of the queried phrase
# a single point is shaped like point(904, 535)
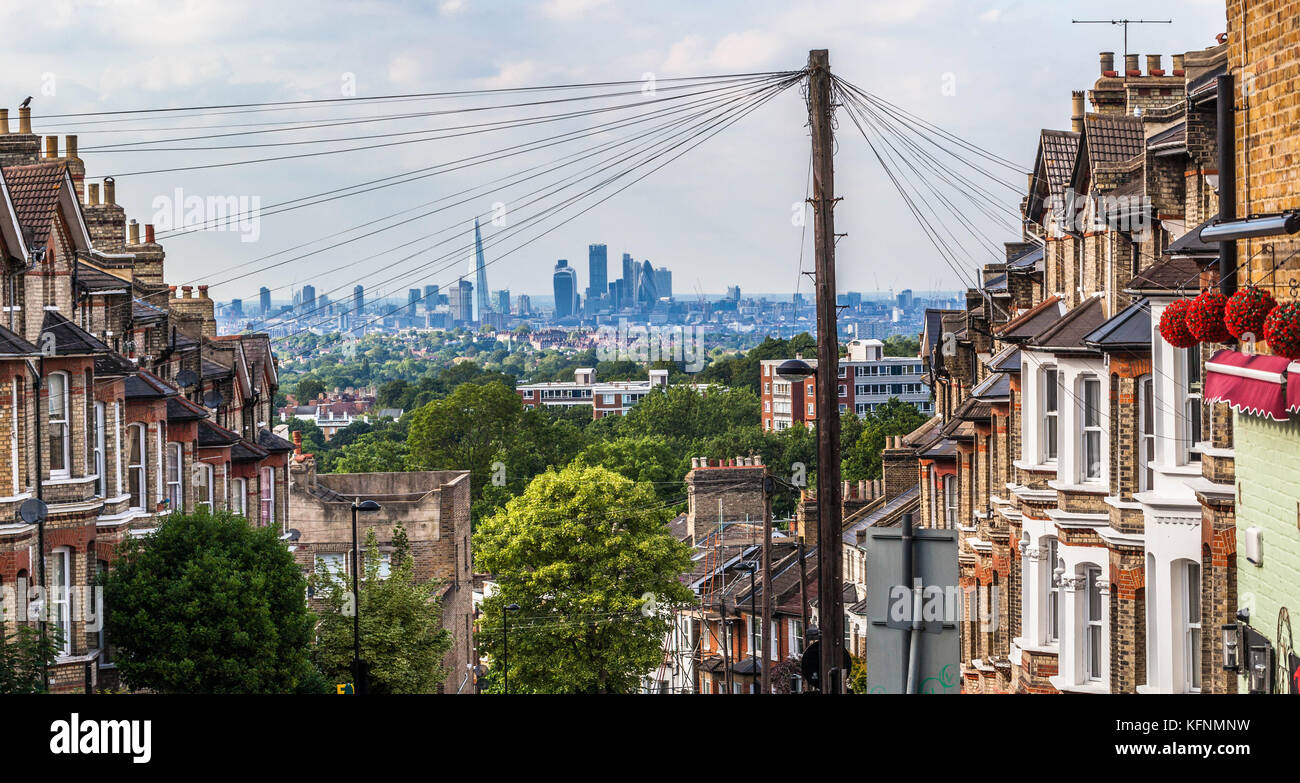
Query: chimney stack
point(51, 146)
point(25, 120)
point(92, 194)
point(4, 122)
point(71, 144)
point(110, 191)
point(148, 233)
point(1131, 65)
point(1153, 65)
point(133, 231)
point(1108, 64)
point(187, 291)
point(203, 290)
point(1076, 111)
point(1178, 65)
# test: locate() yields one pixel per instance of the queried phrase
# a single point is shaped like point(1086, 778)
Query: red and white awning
point(1253, 384)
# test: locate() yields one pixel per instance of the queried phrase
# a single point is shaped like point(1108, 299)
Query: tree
point(308, 389)
point(371, 453)
point(24, 656)
point(903, 345)
point(208, 604)
point(468, 430)
point(580, 551)
point(894, 417)
point(402, 638)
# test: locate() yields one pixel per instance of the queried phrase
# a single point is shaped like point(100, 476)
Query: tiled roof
point(91, 278)
point(1129, 330)
point(12, 344)
point(34, 190)
point(1177, 273)
point(1111, 138)
point(1032, 321)
point(70, 339)
point(272, 442)
point(1067, 334)
point(181, 409)
point(1059, 149)
point(145, 385)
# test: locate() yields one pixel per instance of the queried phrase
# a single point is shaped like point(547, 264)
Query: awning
point(1251, 384)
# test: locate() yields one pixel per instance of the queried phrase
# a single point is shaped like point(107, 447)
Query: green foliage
point(577, 551)
point(308, 389)
point(208, 604)
point(895, 417)
point(858, 675)
point(402, 638)
point(24, 655)
point(903, 345)
point(745, 370)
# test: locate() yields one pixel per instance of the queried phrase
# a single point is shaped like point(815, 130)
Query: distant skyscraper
point(430, 296)
point(359, 300)
point(237, 308)
point(733, 292)
point(565, 282)
point(646, 293)
point(628, 294)
point(480, 272)
point(308, 297)
point(462, 302)
point(412, 298)
point(664, 282)
point(525, 305)
point(264, 298)
point(503, 301)
point(597, 272)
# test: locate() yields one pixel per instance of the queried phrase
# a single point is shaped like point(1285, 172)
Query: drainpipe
point(1227, 154)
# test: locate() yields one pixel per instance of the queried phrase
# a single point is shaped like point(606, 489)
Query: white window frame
point(1050, 378)
point(266, 496)
point(796, 640)
point(1090, 431)
point(205, 470)
point(60, 598)
point(239, 496)
point(98, 458)
point(1053, 592)
point(141, 467)
point(1093, 618)
point(13, 436)
point(59, 425)
point(1191, 587)
point(1194, 385)
point(175, 484)
point(951, 502)
point(1146, 433)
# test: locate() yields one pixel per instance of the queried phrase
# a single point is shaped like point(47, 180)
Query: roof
point(181, 409)
point(886, 514)
point(1032, 321)
point(272, 442)
point(995, 387)
point(144, 385)
point(1176, 273)
point(1129, 330)
point(1027, 260)
point(996, 283)
point(1110, 138)
point(34, 190)
point(971, 409)
point(1190, 244)
point(113, 365)
point(213, 435)
point(243, 451)
point(1006, 360)
point(143, 311)
point(1067, 334)
point(70, 339)
point(12, 344)
point(933, 325)
point(94, 279)
point(943, 448)
point(1206, 85)
point(1173, 136)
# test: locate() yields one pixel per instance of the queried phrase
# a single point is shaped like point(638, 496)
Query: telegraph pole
point(765, 681)
point(829, 580)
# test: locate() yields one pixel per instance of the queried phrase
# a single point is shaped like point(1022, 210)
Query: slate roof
point(212, 369)
point(1177, 273)
point(1067, 334)
point(213, 435)
point(243, 451)
point(181, 409)
point(1027, 260)
point(996, 283)
point(1206, 85)
point(142, 311)
point(12, 344)
point(943, 448)
point(1032, 321)
point(70, 339)
point(1006, 360)
point(144, 385)
point(933, 325)
point(92, 279)
point(995, 387)
point(1129, 330)
point(1173, 137)
point(34, 190)
point(113, 365)
point(272, 442)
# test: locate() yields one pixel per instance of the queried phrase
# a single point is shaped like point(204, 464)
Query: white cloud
point(405, 70)
point(515, 74)
point(451, 7)
point(570, 9)
point(991, 15)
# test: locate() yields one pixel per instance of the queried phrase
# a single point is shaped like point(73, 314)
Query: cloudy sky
point(989, 72)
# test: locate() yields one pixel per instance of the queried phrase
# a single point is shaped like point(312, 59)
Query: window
point(796, 637)
point(175, 493)
point(1051, 408)
point(1053, 593)
point(810, 409)
point(97, 613)
point(755, 635)
point(950, 502)
point(1192, 407)
point(385, 564)
point(1192, 626)
point(59, 568)
point(335, 563)
point(13, 434)
point(1146, 433)
point(97, 449)
point(203, 487)
point(136, 473)
point(239, 496)
point(60, 456)
point(1092, 626)
point(1090, 445)
point(268, 496)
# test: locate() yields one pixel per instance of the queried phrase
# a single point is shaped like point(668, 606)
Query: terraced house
point(1073, 447)
point(119, 404)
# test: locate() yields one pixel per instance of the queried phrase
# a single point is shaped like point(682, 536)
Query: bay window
point(1146, 434)
point(59, 436)
point(1092, 656)
point(1051, 409)
point(1090, 434)
point(203, 487)
point(137, 471)
point(1192, 625)
point(175, 489)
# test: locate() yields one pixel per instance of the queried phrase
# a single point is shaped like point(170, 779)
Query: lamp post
point(505, 646)
point(33, 511)
point(358, 674)
point(754, 639)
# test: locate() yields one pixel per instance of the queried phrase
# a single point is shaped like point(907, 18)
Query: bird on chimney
point(26, 101)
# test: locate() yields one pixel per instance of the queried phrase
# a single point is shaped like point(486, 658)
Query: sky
point(992, 73)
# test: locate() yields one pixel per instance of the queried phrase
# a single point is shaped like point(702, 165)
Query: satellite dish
point(186, 378)
point(33, 511)
point(213, 400)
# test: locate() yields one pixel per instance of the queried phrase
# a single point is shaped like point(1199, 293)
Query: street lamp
point(358, 673)
point(34, 511)
point(505, 646)
point(794, 370)
point(754, 638)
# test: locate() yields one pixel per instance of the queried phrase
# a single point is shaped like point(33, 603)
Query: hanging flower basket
point(1282, 330)
point(1173, 324)
point(1246, 311)
point(1205, 317)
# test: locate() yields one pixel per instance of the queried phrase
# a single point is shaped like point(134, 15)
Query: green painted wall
point(1268, 476)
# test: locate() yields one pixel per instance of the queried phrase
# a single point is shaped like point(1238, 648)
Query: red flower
point(1282, 330)
point(1205, 317)
point(1246, 311)
point(1173, 324)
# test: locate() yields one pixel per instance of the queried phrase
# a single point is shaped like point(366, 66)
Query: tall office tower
point(646, 293)
point(308, 297)
point(480, 273)
point(664, 282)
point(613, 295)
point(733, 293)
point(237, 308)
point(430, 296)
point(525, 305)
point(462, 302)
point(597, 272)
point(629, 279)
point(264, 298)
point(565, 284)
point(359, 300)
point(412, 299)
point(503, 301)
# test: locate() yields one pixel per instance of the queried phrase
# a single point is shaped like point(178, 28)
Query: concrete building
point(607, 398)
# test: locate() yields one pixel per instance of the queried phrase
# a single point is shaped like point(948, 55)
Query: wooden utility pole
point(829, 578)
point(765, 681)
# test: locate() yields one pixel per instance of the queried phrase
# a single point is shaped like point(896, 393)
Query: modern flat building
point(462, 303)
point(565, 284)
point(868, 379)
point(359, 299)
point(611, 398)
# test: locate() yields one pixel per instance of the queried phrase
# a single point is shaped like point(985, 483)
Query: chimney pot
point(71, 143)
point(172, 289)
point(1107, 63)
point(1131, 65)
point(1153, 65)
point(1076, 111)
point(25, 120)
point(4, 122)
point(133, 231)
point(110, 190)
point(186, 291)
point(51, 146)
point(148, 233)
point(92, 193)
point(203, 292)
point(1178, 65)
